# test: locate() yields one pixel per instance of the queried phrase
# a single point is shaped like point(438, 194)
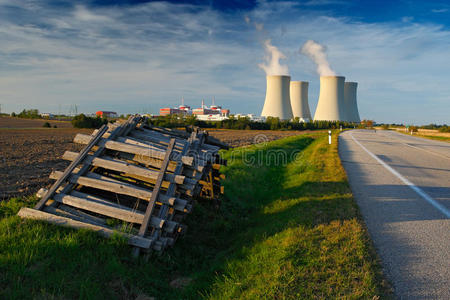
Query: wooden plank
point(191, 171)
point(128, 148)
point(171, 190)
point(164, 138)
point(107, 184)
point(120, 166)
point(168, 226)
point(70, 168)
point(122, 212)
point(155, 194)
point(35, 214)
point(156, 190)
point(67, 214)
point(132, 121)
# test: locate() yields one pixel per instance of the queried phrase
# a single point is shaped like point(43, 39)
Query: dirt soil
point(29, 153)
point(28, 156)
point(9, 122)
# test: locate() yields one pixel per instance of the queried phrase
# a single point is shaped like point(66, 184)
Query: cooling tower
point(351, 105)
point(299, 100)
point(278, 102)
point(331, 99)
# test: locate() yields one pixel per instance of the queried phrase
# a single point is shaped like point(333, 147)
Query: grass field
point(435, 137)
point(288, 228)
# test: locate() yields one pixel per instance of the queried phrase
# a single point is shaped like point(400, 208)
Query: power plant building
point(350, 103)
point(331, 105)
point(299, 100)
point(278, 101)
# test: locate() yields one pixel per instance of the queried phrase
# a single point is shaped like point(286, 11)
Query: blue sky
point(138, 56)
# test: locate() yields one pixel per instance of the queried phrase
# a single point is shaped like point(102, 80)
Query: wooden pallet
point(134, 180)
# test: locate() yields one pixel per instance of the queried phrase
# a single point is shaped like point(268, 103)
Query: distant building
point(47, 115)
point(204, 113)
point(106, 114)
point(212, 110)
point(251, 117)
point(180, 110)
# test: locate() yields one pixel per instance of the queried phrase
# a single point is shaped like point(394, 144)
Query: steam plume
point(272, 64)
point(318, 54)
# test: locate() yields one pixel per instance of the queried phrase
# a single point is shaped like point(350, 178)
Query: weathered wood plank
point(167, 225)
point(70, 168)
point(122, 212)
point(35, 214)
point(164, 139)
point(115, 186)
point(156, 190)
point(129, 148)
point(120, 166)
point(131, 122)
point(69, 214)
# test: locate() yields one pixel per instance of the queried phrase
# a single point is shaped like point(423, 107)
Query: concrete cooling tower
point(331, 99)
point(350, 103)
point(278, 102)
point(299, 100)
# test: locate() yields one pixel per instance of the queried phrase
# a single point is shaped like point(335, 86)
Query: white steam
point(318, 54)
point(272, 58)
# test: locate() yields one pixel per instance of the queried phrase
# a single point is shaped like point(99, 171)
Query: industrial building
point(350, 103)
point(286, 99)
point(331, 106)
point(299, 100)
point(180, 110)
point(278, 100)
point(106, 114)
point(204, 113)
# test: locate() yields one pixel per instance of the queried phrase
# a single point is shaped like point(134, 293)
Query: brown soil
point(9, 122)
point(28, 156)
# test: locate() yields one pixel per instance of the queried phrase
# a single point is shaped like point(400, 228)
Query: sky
point(139, 56)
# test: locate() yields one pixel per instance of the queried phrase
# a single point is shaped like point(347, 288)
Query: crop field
point(429, 134)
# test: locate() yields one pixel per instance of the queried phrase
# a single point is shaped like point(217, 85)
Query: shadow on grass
point(259, 205)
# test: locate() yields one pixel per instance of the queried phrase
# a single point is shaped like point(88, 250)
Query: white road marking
point(418, 148)
point(416, 189)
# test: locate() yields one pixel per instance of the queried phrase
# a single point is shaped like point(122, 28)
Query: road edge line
point(416, 189)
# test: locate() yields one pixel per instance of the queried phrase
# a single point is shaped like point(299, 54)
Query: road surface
point(402, 186)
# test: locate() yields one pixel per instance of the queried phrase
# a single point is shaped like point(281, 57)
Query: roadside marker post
point(329, 137)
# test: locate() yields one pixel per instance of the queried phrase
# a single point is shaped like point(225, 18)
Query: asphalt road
point(402, 186)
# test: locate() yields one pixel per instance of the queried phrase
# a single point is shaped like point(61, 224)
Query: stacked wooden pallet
point(134, 180)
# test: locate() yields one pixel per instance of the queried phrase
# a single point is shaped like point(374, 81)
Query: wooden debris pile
point(135, 180)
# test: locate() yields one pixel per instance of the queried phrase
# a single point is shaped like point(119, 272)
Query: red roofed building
point(106, 114)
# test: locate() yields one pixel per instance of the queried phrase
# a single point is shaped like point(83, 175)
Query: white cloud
point(150, 55)
point(83, 14)
point(440, 10)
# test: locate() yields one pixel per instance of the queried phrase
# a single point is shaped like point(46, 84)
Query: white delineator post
point(329, 137)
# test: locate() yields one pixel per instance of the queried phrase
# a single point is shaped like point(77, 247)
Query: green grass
point(431, 137)
point(434, 137)
point(287, 230)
